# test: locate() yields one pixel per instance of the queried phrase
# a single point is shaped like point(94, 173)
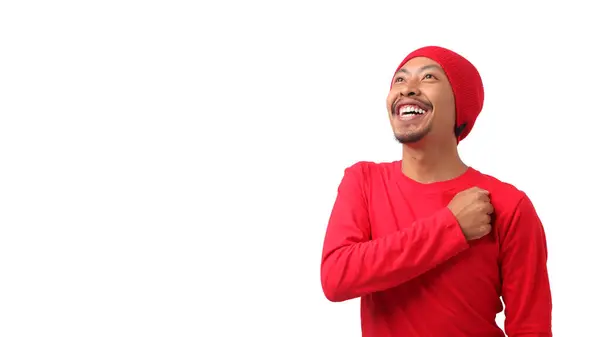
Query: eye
point(428, 77)
point(399, 79)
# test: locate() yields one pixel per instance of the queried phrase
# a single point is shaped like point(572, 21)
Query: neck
point(429, 163)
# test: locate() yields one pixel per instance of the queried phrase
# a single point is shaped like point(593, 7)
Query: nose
point(410, 90)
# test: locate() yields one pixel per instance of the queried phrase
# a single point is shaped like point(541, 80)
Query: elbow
point(333, 290)
point(332, 294)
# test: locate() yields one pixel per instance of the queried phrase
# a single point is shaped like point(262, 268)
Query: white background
point(167, 168)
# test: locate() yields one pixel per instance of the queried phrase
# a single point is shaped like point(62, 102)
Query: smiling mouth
point(410, 108)
point(410, 111)
point(407, 110)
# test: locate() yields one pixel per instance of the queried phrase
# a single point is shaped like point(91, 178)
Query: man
point(429, 244)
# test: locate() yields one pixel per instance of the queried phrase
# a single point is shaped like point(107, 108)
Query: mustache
point(399, 101)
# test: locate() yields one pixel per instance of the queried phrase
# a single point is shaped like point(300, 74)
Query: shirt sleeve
point(525, 282)
point(354, 265)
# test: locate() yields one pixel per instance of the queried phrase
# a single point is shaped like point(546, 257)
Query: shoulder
point(512, 206)
point(517, 221)
point(503, 194)
point(359, 177)
point(368, 170)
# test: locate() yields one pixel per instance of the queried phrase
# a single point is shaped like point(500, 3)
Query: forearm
point(351, 268)
point(526, 287)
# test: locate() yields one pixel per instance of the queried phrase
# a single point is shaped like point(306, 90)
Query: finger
point(479, 191)
point(484, 197)
point(484, 207)
point(476, 237)
point(489, 208)
point(485, 229)
point(482, 191)
point(474, 189)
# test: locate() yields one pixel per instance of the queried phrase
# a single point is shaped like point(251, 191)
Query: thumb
point(481, 190)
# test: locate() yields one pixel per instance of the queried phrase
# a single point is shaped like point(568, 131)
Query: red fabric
point(465, 81)
point(393, 242)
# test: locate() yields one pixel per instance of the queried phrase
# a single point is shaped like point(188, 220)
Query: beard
point(413, 136)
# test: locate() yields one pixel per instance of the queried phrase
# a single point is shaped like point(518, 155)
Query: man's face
point(421, 102)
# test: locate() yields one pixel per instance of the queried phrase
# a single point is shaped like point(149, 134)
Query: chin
point(413, 136)
point(410, 138)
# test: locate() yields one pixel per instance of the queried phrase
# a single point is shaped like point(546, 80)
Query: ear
point(459, 129)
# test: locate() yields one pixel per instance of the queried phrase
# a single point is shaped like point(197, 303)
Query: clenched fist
point(473, 209)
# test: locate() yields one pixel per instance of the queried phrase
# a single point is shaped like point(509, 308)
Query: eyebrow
point(429, 66)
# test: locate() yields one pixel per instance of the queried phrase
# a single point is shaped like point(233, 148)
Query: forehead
point(419, 64)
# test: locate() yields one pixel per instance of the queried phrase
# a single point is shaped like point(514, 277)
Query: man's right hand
point(473, 209)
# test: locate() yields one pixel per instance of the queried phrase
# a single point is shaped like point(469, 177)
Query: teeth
point(411, 109)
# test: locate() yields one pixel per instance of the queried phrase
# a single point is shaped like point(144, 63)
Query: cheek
point(448, 103)
point(390, 98)
point(445, 112)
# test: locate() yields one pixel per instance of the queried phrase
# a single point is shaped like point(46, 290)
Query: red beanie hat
point(464, 80)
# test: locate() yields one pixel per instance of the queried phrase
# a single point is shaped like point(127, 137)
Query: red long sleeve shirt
point(393, 242)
